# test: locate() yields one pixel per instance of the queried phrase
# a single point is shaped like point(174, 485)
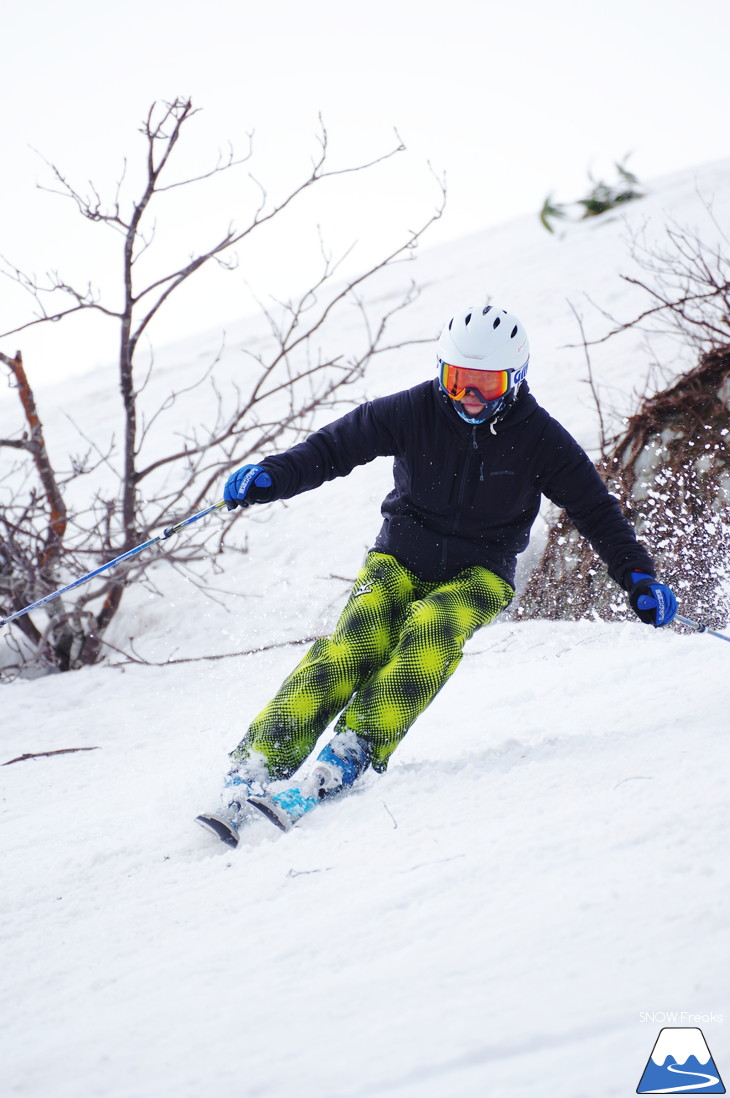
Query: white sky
point(511, 100)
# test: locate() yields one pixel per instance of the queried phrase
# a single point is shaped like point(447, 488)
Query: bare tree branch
point(47, 754)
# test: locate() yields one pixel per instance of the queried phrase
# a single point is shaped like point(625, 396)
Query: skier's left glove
point(651, 601)
point(250, 484)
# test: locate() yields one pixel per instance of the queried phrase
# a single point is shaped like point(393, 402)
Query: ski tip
point(273, 812)
point(219, 827)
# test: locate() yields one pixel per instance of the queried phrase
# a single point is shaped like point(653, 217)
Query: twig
point(199, 659)
point(44, 754)
point(591, 382)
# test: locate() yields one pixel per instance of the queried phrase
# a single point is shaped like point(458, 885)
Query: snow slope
point(544, 860)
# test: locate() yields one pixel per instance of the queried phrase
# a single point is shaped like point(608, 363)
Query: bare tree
point(43, 534)
point(687, 281)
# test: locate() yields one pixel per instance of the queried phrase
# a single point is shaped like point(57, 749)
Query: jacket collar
point(523, 407)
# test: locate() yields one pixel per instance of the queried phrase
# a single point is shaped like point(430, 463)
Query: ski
point(220, 827)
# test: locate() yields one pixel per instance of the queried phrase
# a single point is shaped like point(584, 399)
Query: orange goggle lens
point(487, 384)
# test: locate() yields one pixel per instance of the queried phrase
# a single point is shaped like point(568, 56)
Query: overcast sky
point(511, 101)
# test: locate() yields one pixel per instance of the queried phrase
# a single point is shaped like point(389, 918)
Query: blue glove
point(250, 484)
point(652, 601)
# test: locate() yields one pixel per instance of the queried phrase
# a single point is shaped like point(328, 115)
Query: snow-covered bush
point(670, 465)
point(671, 471)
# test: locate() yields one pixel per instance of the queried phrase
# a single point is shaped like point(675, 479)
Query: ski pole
point(700, 628)
point(111, 564)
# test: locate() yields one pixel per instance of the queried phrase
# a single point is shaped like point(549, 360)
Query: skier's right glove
point(652, 601)
point(250, 484)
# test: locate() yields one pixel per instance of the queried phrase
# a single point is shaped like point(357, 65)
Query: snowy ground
point(544, 860)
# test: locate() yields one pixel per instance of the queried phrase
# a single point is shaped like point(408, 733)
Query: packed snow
point(540, 872)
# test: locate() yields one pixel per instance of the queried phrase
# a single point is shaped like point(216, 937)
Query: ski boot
point(242, 781)
point(336, 768)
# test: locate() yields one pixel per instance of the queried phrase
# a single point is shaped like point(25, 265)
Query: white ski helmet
point(484, 351)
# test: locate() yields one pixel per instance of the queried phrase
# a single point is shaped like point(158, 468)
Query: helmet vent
point(513, 333)
point(486, 309)
point(450, 323)
point(497, 322)
point(467, 318)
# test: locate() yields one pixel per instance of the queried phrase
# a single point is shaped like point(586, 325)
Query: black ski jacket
point(464, 494)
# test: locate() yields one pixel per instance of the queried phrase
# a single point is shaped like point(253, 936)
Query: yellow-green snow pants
point(398, 640)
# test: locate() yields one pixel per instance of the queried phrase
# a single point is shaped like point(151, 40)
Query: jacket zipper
point(462, 489)
point(481, 459)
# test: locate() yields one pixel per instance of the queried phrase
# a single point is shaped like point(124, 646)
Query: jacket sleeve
point(365, 433)
point(572, 482)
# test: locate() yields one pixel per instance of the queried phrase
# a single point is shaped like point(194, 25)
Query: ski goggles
point(486, 384)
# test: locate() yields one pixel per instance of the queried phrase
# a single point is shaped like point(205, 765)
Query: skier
point(473, 452)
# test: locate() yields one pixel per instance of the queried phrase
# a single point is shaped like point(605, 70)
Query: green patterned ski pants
point(397, 642)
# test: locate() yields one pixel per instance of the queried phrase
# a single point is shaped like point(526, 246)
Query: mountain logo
point(680, 1063)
